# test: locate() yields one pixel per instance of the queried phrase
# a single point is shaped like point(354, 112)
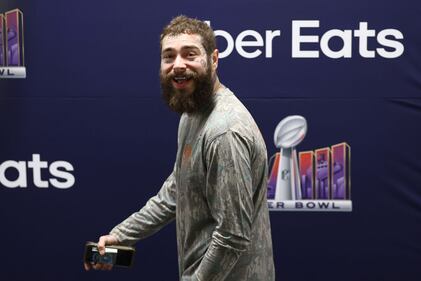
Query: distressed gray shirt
point(217, 193)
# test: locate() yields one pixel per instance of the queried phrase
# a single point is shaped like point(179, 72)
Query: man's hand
point(103, 241)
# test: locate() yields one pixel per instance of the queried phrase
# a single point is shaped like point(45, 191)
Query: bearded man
point(217, 190)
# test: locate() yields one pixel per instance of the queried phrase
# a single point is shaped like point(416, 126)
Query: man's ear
point(215, 57)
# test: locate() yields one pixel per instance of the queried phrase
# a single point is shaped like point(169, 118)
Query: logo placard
point(318, 180)
point(12, 63)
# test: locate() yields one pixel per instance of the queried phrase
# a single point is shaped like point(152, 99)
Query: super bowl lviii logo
point(316, 180)
point(12, 64)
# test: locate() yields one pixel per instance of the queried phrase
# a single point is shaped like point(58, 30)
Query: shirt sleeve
point(229, 195)
point(157, 212)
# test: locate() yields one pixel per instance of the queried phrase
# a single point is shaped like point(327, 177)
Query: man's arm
point(229, 194)
point(157, 212)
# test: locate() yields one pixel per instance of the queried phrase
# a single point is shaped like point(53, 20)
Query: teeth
point(180, 79)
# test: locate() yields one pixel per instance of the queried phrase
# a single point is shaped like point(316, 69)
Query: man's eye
point(168, 56)
point(191, 54)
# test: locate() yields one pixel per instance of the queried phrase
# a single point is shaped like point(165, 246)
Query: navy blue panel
point(92, 98)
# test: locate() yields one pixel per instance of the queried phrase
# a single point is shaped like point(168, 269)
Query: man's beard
point(180, 101)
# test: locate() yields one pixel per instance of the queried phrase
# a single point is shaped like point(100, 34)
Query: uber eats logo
point(17, 174)
point(309, 39)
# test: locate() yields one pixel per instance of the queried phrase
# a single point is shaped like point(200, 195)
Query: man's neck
point(217, 85)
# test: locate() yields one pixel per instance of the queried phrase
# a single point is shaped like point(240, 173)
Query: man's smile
point(181, 81)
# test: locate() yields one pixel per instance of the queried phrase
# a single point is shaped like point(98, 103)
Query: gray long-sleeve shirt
point(217, 193)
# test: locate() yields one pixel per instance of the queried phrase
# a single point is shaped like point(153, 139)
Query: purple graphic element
point(338, 183)
point(322, 174)
point(306, 173)
point(12, 26)
point(12, 48)
point(306, 184)
point(326, 178)
point(272, 178)
point(2, 61)
point(340, 177)
point(271, 190)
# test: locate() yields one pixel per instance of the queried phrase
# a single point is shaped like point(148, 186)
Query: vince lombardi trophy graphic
point(288, 134)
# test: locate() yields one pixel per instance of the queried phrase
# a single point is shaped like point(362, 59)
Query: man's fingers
point(98, 266)
point(104, 241)
point(101, 245)
point(102, 266)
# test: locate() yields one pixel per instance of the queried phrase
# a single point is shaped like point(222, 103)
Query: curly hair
point(182, 24)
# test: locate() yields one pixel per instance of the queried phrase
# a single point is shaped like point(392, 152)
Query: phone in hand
point(115, 255)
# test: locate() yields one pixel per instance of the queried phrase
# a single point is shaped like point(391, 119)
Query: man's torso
point(195, 221)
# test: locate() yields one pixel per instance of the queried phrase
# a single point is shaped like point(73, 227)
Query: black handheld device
point(115, 255)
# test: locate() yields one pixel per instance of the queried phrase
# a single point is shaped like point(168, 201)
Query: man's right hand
point(103, 241)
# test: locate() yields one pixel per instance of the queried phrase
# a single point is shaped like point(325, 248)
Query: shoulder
point(228, 115)
point(231, 126)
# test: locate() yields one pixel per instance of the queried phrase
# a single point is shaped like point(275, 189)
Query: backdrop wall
point(91, 99)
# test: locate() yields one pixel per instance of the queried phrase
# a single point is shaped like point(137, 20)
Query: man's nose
point(179, 64)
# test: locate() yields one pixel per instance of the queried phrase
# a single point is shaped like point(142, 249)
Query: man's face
point(186, 73)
